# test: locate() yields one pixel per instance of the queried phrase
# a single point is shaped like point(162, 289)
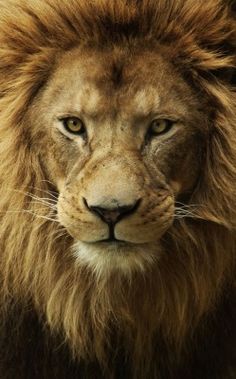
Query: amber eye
point(73, 125)
point(160, 126)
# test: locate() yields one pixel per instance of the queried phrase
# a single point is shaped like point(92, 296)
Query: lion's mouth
point(112, 244)
point(112, 240)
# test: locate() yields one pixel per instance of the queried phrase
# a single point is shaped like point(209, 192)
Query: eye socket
point(160, 126)
point(73, 125)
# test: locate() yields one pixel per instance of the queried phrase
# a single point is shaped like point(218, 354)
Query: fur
point(157, 321)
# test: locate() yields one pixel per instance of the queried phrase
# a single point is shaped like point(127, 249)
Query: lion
point(117, 189)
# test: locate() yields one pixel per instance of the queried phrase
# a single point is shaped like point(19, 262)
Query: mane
point(199, 261)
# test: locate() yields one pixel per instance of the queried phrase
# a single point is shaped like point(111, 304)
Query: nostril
point(111, 215)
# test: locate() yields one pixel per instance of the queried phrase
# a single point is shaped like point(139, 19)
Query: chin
point(103, 258)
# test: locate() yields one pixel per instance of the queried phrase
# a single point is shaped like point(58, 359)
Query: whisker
point(33, 196)
point(48, 181)
point(43, 201)
point(187, 210)
point(30, 212)
point(49, 205)
point(46, 199)
point(184, 212)
point(53, 194)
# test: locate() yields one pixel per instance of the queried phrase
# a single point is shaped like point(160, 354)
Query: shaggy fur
point(57, 319)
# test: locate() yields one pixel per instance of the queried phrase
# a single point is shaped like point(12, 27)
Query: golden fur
point(170, 297)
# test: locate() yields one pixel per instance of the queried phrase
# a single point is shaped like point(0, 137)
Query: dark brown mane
point(201, 261)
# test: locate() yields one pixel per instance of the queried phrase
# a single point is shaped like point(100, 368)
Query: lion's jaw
point(117, 164)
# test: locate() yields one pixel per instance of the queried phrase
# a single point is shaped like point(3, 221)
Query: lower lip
point(113, 242)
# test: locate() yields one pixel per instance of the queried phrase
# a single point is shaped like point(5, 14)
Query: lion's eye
point(73, 125)
point(160, 126)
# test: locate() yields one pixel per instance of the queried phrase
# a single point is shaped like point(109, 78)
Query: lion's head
point(118, 151)
point(105, 129)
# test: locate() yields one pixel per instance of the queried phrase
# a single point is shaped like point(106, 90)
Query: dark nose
point(114, 214)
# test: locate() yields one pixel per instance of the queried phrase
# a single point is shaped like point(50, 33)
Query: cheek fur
point(180, 162)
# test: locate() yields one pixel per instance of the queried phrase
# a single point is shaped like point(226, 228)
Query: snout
point(143, 220)
point(112, 213)
point(117, 202)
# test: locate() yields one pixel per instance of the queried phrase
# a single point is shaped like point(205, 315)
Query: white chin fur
point(103, 258)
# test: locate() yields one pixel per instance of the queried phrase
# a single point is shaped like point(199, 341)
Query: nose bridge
point(113, 181)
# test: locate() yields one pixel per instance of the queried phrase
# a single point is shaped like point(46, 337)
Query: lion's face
point(120, 135)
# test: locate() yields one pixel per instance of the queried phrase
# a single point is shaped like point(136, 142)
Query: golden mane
point(35, 262)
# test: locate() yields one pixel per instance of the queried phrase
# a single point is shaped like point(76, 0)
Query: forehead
point(118, 80)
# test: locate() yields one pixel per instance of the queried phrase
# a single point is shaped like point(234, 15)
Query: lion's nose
point(111, 215)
